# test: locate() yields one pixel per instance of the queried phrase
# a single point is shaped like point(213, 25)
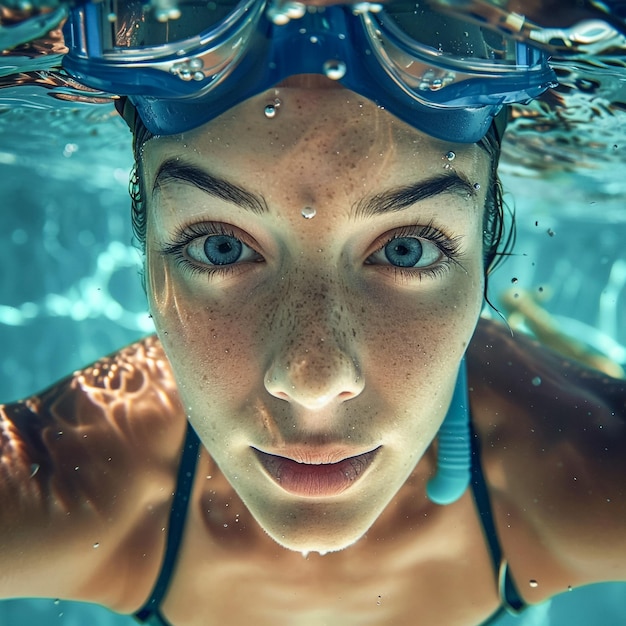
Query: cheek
point(209, 344)
point(415, 342)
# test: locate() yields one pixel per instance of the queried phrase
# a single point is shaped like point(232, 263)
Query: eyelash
point(187, 234)
point(448, 246)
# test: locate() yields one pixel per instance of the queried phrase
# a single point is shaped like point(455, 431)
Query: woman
point(315, 270)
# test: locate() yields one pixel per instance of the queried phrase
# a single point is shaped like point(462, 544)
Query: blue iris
point(404, 251)
point(222, 249)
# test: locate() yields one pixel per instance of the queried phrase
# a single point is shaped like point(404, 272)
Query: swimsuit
point(151, 615)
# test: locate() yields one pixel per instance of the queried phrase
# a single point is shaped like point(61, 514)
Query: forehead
point(303, 138)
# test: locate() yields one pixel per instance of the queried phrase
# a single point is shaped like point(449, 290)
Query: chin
point(322, 545)
point(318, 529)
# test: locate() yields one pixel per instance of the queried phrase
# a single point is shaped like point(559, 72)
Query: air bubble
point(450, 156)
point(514, 280)
point(476, 186)
point(277, 18)
point(533, 583)
point(335, 70)
point(308, 213)
point(536, 381)
point(270, 111)
point(550, 232)
point(34, 468)
point(313, 39)
point(111, 17)
point(166, 14)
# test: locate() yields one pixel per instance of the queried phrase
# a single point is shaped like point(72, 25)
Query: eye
point(220, 249)
point(212, 248)
point(407, 252)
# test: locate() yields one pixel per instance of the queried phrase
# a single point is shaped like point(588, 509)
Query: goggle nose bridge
point(320, 38)
point(281, 12)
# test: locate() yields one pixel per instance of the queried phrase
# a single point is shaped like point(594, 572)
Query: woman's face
point(315, 277)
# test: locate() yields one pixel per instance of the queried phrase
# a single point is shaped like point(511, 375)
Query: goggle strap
point(127, 110)
point(500, 121)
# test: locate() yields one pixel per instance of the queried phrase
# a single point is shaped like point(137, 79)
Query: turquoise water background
point(70, 290)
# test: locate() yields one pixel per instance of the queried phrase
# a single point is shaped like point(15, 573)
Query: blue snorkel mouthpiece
point(454, 453)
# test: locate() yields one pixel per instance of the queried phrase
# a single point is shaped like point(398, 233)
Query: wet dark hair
point(498, 237)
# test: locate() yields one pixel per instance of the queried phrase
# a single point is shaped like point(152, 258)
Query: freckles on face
point(317, 339)
point(208, 340)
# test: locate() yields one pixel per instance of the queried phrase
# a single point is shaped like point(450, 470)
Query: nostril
point(347, 395)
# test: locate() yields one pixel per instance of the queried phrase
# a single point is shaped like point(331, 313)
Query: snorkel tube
point(454, 453)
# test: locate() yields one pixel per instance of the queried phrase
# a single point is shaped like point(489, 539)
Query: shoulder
point(553, 436)
point(90, 461)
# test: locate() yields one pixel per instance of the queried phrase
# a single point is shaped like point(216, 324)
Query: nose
point(314, 363)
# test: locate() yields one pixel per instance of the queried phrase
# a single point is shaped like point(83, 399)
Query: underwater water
point(70, 289)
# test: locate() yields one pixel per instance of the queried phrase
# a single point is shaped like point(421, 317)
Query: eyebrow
point(400, 198)
point(173, 170)
point(389, 201)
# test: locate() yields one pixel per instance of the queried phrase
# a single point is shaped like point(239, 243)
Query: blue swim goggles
point(444, 76)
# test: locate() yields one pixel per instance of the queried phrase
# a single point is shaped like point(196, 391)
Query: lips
point(315, 480)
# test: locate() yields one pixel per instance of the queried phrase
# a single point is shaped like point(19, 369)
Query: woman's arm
point(553, 434)
point(86, 474)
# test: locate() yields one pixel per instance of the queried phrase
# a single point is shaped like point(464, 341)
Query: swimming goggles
point(445, 76)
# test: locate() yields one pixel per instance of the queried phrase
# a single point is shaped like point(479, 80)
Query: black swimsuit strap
point(509, 595)
point(178, 516)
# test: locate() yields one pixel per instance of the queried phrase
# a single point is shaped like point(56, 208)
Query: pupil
point(222, 249)
point(404, 252)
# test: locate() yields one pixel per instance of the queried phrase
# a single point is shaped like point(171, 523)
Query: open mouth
point(315, 480)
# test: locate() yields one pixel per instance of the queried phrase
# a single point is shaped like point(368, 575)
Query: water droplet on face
point(308, 213)
point(34, 468)
point(96, 545)
point(270, 111)
point(536, 381)
point(305, 554)
point(514, 280)
point(533, 583)
point(450, 156)
point(335, 70)
point(476, 186)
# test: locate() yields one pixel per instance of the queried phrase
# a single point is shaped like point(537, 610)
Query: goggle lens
point(132, 26)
